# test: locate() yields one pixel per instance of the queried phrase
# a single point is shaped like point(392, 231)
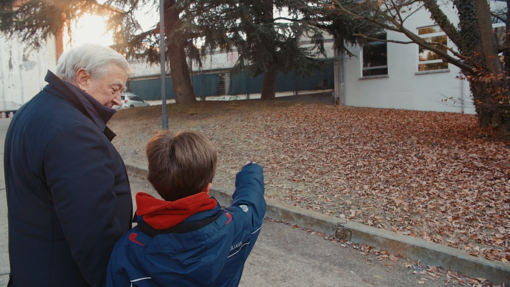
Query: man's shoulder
point(48, 111)
point(46, 116)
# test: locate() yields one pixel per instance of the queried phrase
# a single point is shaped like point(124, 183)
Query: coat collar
point(85, 103)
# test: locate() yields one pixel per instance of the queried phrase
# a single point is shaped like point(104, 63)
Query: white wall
point(141, 69)
point(405, 88)
point(210, 62)
point(22, 71)
point(218, 61)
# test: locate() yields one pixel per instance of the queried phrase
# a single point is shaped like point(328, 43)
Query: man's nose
point(116, 100)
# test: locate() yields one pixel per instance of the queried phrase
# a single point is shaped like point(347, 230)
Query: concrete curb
point(400, 245)
point(136, 170)
point(430, 253)
point(295, 215)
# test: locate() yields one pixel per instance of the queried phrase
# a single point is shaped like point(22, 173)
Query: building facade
point(22, 70)
point(405, 76)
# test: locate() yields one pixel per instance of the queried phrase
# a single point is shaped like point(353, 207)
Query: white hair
point(94, 58)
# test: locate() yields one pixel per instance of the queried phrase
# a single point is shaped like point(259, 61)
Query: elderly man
point(68, 193)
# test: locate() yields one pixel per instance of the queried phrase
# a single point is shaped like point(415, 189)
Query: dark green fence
point(244, 84)
point(207, 84)
point(150, 89)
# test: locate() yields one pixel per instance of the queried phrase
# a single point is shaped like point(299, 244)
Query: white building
point(22, 71)
point(409, 77)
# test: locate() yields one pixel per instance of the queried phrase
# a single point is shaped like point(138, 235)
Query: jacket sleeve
point(250, 192)
point(116, 274)
point(79, 171)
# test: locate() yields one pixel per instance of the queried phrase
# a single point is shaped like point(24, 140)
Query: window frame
point(373, 43)
point(430, 35)
point(496, 26)
point(136, 98)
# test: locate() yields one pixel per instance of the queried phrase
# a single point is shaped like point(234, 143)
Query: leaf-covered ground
point(435, 176)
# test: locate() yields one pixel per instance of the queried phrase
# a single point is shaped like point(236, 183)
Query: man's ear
point(207, 188)
point(82, 79)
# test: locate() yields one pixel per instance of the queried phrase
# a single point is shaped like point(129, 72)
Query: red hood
point(162, 214)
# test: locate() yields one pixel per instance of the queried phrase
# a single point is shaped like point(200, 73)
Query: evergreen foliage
point(261, 38)
point(293, 40)
point(34, 21)
point(274, 36)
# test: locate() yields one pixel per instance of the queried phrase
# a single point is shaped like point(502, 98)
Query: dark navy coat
point(213, 255)
point(68, 194)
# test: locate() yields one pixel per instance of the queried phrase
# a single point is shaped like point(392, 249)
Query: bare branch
point(414, 11)
point(287, 19)
point(413, 37)
point(498, 17)
point(397, 11)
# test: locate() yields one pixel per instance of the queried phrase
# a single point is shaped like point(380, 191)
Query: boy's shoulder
point(222, 242)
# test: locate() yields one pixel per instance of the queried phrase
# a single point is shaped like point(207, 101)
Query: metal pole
point(343, 97)
point(461, 92)
point(164, 116)
point(336, 76)
point(190, 69)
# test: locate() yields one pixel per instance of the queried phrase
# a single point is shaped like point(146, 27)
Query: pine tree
point(269, 42)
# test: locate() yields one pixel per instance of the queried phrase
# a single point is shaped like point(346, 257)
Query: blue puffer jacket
point(210, 255)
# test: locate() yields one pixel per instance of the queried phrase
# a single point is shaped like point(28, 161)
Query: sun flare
point(88, 29)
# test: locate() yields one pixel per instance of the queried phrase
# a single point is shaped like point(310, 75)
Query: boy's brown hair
point(180, 165)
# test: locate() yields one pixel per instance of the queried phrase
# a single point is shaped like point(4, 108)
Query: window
point(499, 33)
point(499, 30)
point(375, 57)
point(136, 98)
point(428, 60)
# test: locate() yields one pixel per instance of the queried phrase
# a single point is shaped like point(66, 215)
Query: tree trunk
point(478, 43)
point(493, 110)
point(478, 90)
point(269, 86)
point(489, 113)
point(269, 83)
point(181, 81)
point(490, 47)
point(183, 90)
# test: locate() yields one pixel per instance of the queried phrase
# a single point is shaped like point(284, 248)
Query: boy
point(187, 239)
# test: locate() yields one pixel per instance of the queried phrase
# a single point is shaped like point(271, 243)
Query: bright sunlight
point(89, 29)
